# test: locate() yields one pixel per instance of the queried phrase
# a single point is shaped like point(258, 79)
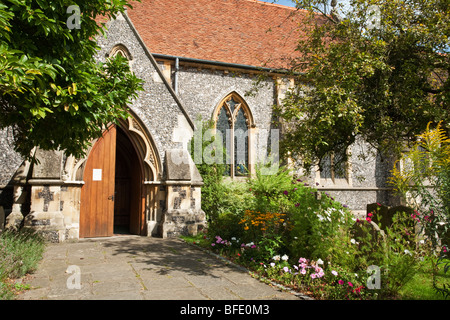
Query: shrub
point(318, 222)
point(424, 182)
point(392, 251)
point(213, 191)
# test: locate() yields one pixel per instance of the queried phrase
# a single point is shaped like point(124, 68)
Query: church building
point(199, 59)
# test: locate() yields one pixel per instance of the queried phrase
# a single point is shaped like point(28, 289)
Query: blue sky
point(291, 3)
point(283, 2)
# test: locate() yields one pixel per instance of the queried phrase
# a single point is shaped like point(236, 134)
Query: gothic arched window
point(233, 120)
point(123, 51)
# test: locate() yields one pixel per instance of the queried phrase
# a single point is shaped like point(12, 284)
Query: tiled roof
point(247, 32)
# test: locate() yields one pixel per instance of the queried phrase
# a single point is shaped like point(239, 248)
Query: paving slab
point(142, 268)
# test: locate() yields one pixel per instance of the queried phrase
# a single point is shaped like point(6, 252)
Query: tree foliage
point(54, 94)
point(379, 72)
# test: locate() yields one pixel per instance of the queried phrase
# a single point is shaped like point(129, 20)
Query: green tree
point(378, 72)
point(54, 94)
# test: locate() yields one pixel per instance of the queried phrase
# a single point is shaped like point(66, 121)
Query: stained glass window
point(223, 125)
point(232, 104)
point(233, 124)
point(240, 144)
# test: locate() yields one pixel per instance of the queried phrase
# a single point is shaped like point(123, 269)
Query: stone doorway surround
point(52, 188)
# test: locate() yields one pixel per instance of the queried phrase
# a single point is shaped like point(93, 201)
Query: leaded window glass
point(240, 144)
point(223, 125)
point(233, 123)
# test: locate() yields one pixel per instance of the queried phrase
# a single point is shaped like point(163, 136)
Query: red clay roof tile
point(247, 32)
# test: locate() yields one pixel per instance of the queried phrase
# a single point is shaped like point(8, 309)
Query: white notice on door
point(97, 175)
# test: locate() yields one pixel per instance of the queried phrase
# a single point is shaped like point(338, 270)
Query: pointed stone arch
point(241, 103)
point(142, 141)
point(237, 133)
point(122, 50)
point(150, 166)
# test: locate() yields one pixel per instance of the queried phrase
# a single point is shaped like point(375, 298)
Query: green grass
point(20, 253)
point(421, 286)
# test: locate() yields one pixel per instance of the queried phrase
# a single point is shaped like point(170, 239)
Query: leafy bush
point(424, 182)
point(213, 190)
point(392, 251)
point(318, 223)
point(263, 221)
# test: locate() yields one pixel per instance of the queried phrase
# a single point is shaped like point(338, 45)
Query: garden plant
point(286, 230)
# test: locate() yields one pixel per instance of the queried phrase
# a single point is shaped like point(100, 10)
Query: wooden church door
point(97, 194)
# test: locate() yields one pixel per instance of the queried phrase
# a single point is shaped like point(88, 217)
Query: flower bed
point(286, 231)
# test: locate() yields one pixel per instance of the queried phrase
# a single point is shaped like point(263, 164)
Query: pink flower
point(368, 219)
point(213, 244)
point(341, 281)
point(286, 269)
point(350, 284)
point(303, 271)
point(313, 275)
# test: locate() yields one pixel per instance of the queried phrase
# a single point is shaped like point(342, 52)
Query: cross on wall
point(47, 196)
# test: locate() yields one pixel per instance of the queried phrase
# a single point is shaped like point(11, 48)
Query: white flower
point(320, 261)
point(334, 273)
point(407, 252)
point(233, 238)
point(272, 264)
point(320, 217)
point(284, 258)
point(353, 241)
point(276, 258)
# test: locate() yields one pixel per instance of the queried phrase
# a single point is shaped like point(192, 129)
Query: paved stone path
point(140, 268)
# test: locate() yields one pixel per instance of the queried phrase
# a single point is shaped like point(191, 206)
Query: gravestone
point(380, 214)
point(384, 218)
point(375, 231)
point(383, 215)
